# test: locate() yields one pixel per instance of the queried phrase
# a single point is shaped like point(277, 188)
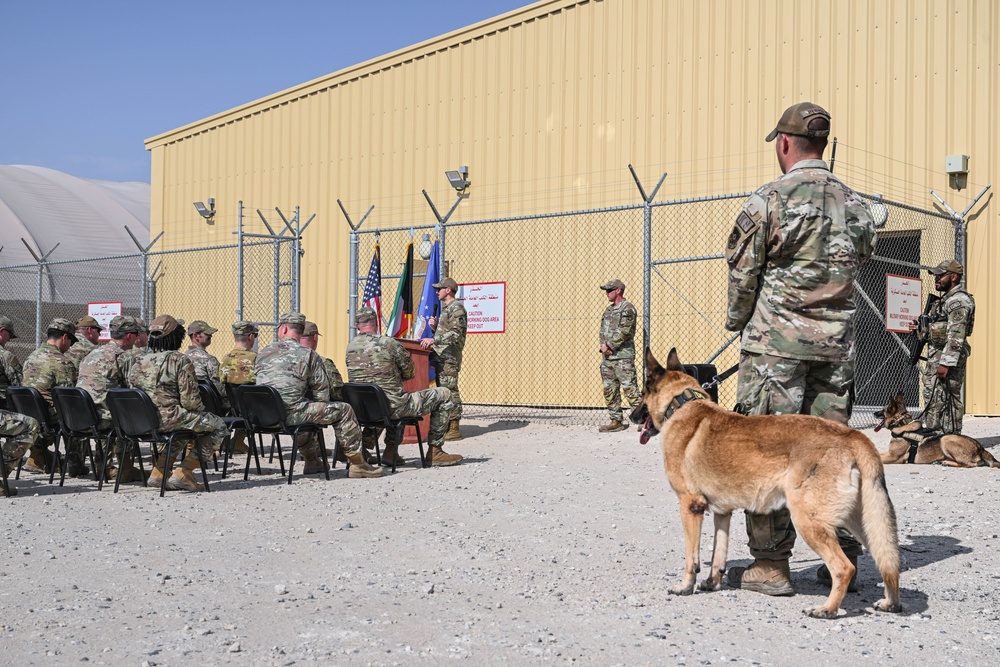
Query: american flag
point(373, 289)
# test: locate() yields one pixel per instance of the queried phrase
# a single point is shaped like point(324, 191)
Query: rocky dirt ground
point(550, 544)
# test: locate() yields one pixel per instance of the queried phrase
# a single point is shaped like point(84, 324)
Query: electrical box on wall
point(956, 164)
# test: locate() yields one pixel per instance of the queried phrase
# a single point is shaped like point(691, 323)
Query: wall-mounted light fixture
point(459, 179)
point(207, 212)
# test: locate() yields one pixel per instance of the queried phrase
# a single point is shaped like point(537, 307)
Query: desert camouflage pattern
point(237, 367)
point(951, 319)
point(449, 341)
point(335, 378)
point(206, 369)
point(99, 371)
point(793, 255)
point(297, 373)
point(383, 361)
point(169, 379)
point(45, 368)
point(10, 372)
point(618, 377)
point(79, 350)
point(129, 357)
point(19, 433)
point(618, 331)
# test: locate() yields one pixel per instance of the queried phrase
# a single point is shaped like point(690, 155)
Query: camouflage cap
point(947, 266)
point(797, 118)
point(244, 328)
point(162, 326)
point(311, 330)
point(449, 283)
point(123, 324)
point(201, 326)
point(7, 326)
point(292, 318)
point(613, 284)
point(63, 326)
point(88, 321)
point(365, 315)
point(142, 324)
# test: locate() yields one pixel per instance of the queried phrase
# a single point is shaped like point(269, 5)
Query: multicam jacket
point(335, 378)
point(169, 379)
point(237, 367)
point(295, 371)
point(45, 368)
point(102, 370)
point(80, 349)
point(10, 372)
point(129, 357)
point(618, 330)
point(793, 255)
point(380, 360)
point(206, 366)
point(951, 319)
point(449, 336)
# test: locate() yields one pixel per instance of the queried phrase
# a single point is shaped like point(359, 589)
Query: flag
point(373, 289)
point(399, 323)
point(429, 302)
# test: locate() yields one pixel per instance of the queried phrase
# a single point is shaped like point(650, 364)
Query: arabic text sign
point(104, 312)
point(903, 297)
point(486, 305)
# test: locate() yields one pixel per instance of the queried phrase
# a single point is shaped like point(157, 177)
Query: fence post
point(296, 262)
point(352, 305)
point(443, 221)
point(239, 262)
point(647, 256)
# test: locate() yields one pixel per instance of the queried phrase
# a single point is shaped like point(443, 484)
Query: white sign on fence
point(486, 305)
point(104, 312)
point(903, 297)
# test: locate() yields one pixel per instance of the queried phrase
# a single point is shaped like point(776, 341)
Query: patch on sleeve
point(743, 230)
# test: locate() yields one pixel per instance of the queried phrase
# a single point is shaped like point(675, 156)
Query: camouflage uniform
point(100, 371)
point(19, 432)
point(206, 369)
point(449, 341)
point(383, 361)
point(793, 256)
point(618, 368)
point(951, 321)
point(169, 379)
point(335, 378)
point(237, 367)
point(10, 373)
point(298, 374)
point(128, 358)
point(80, 349)
point(45, 368)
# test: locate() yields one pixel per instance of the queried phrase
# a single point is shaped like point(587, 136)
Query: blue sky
point(84, 83)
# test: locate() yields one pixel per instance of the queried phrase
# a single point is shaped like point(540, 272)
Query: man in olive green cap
point(237, 367)
point(206, 366)
point(10, 365)
point(88, 334)
point(617, 347)
point(447, 344)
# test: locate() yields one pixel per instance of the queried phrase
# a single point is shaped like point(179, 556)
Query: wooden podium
point(421, 380)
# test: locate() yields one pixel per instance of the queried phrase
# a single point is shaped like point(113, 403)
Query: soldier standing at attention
point(88, 334)
point(10, 366)
point(298, 374)
point(310, 338)
point(793, 255)
point(618, 348)
point(382, 360)
point(950, 322)
point(447, 344)
point(45, 368)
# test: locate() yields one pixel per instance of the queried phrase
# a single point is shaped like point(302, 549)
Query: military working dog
point(827, 474)
point(912, 443)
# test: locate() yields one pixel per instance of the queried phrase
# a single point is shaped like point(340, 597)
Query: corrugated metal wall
point(548, 104)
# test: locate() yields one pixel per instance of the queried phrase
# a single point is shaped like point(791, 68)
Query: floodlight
point(207, 212)
point(457, 178)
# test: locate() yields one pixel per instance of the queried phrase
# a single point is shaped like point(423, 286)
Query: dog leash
point(721, 377)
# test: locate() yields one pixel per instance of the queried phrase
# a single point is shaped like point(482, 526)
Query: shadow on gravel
point(989, 442)
point(926, 549)
point(470, 431)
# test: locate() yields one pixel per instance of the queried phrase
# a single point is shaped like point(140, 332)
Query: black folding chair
point(79, 419)
point(136, 419)
point(29, 401)
point(371, 408)
point(211, 399)
point(265, 412)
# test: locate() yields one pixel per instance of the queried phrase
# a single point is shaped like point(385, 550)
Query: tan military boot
point(240, 442)
point(612, 426)
point(391, 457)
point(453, 433)
point(182, 479)
point(156, 476)
point(770, 577)
point(360, 467)
point(823, 575)
point(311, 467)
point(39, 459)
point(129, 472)
point(438, 457)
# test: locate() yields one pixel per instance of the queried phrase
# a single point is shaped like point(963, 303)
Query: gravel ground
point(550, 544)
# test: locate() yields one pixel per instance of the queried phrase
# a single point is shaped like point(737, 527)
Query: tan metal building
point(549, 103)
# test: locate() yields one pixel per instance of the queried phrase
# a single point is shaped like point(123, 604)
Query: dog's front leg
point(720, 552)
point(692, 514)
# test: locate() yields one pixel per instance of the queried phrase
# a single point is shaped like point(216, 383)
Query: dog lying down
point(912, 443)
point(828, 475)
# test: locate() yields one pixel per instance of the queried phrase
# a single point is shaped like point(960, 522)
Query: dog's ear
point(899, 399)
point(674, 362)
point(653, 367)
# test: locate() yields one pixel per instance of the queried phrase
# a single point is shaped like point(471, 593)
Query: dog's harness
point(678, 402)
point(914, 436)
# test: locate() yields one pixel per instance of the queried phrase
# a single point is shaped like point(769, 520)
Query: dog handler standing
point(618, 349)
point(793, 255)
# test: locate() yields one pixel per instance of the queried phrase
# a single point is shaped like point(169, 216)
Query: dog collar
point(678, 401)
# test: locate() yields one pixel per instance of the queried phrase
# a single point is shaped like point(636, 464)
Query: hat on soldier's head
point(7, 326)
point(163, 325)
point(311, 330)
point(797, 118)
point(613, 284)
point(123, 324)
point(292, 318)
point(141, 323)
point(88, 321)
point(201, 326)
point(365, 315)
point(244, 328)
point(947, 266)
point(63, 325)
point(449, 283)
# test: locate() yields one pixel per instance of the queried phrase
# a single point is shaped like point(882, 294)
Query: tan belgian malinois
point(827, 474)
point(911, 443)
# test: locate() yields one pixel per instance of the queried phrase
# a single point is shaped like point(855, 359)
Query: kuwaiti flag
point(429, 302)
point(399, 324)
point(373, 289)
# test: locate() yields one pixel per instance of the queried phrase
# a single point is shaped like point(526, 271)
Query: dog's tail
point(878, 517)
point(988, 459)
